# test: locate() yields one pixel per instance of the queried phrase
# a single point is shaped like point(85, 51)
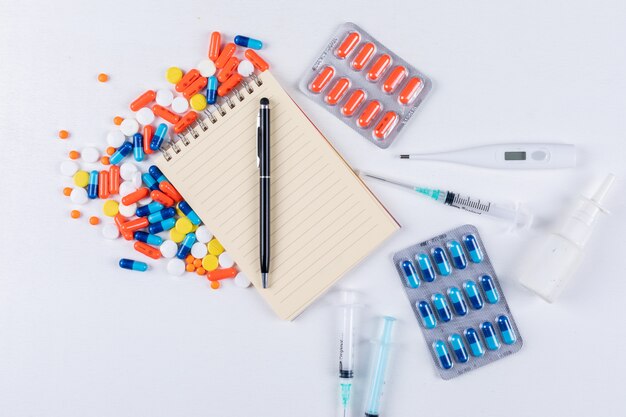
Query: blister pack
point(365, 85)
point(456, 297)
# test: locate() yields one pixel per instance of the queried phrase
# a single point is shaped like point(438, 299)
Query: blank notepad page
point(323, 218)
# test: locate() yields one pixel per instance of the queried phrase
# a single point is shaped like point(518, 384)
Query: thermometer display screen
point(515, 156)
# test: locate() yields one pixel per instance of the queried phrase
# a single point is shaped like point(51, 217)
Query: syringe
point(346, 352)
point(379, 368)
point(519, 217)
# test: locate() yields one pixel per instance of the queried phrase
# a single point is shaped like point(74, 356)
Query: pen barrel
point(264, 221)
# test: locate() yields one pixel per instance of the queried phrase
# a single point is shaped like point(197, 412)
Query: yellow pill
point(210, 262)
point(81, 179)
point(214, 247)
point(183, 225)
point(174, 74)
point(198, 102)
point(110, 208)
point(176, 236)
point(179, 212)
point(195, 227)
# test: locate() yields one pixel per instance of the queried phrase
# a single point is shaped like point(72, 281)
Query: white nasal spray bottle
point(554, 261)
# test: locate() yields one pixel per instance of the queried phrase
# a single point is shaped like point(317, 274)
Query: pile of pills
point(137, 201)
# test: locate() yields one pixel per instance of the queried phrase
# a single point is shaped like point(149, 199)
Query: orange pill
point(67, 191)
point(395, 78)
point(227, 52)
point(185, 122)
point(136, 224)
point(74, 154)
point(197, 262)
point(258, 62)
point(352, 104)
point(224, 273)
point(215, 43)
point(64, 134)
point(165, 114)
point(229, 68)
point(143, 100)
point(369, 114)
point(93, 220)
point(147, 250)
point(161, 197)
point(190, 259)
point(171, 192)
point(386, 125)
point(200, 271)
point(135, 196)
point(103, 78)
point(198, 85)
point(114, 179)
point(187, 80)
point(379, 67)
point(322, 79)
point(120, 221)
point(148, 132)
point(363, 57)
point(215, 285)
point(118, 120)
point(110, 150)
point(75, 214)
point(105, 160)
point(348, 44)
point(190, 267)
point(411, 90)
point(229, 84)
point(103, 184)
point(336, 93)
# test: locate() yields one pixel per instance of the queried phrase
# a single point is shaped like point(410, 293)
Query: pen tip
point(265, 101)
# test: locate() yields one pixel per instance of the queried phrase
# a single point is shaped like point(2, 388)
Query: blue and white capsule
point(489, 333)
point(441, 260)
point(489, 288)
point(144, 237)
point(458, 348)
point(159, 137)
point(164, 214)
point(426, 267)
point(133, 265)
point(506, 330)
point(211, 90)
point(121, 153)
point(458, 257)
point(458, 302)
point(426, 314)
point(473, 341)
point(149, 181)
point(475, 299)
point(185, 247)
point(441, 350)
point(92, 186)
point(153, 207)
point(188, 211)
point(156, 174)
point(247, 42)
point(474, 250)
point(138, 147)
point(441, 306)
point(166, 224)
point(410, 274)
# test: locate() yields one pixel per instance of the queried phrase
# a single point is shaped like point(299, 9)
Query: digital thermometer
point(508, 156)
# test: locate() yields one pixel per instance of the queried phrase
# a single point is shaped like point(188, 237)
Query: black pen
point(263, 162)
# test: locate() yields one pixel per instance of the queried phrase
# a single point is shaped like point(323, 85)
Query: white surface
point(79, 336)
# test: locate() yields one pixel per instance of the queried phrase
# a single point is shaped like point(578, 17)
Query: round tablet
point(81, 178)
point(206, 67)
point(168, 248)
point(127, 210)
point(115, 138)
point(184, 225)
point(245, 68)
point(215, 247)
point(210, 262)
point(69, 168)
point(164, 97)
point(241, 280)
point(90, 154)
point(110, 208)
point(126, 188)
point(129, 127)
point(174, 74)
point(198, 102)
point(127, 169)
point(226, 261)
point(176, 267)
point(198, 250)
point(110, 231)
point(203, 235)
point(145, 201)
point(145, 116)
point(180, 104)
point(176, 236)
point(135, 178)
point(79, 196)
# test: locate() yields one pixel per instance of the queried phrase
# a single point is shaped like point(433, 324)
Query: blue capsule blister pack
point(457, 300)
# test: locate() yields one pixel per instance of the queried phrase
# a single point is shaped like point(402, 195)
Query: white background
point(80, 337)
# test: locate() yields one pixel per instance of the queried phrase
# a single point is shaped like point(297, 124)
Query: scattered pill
point(161, 215)
point(173, 74)
point(143, 100)
point(105, 160)
point(115, 139)
point(69, 168)
point(170, 191)
point(175, 267)
point(148, 238)
point(93, 220)
point(219, 274)
point(248, 42)
point(347, 45)
point(111, 150)
point(458, 348)
point(162, 226)
point(110, 231)
point(215, 285)
point(129, 127)
point(457, 300)
point(225, 260)
point(183, 225)
point(103, 78)
point(196, 262)
point(156, 172)
point(135, 196)
point(168, 248)
point(210, 262)
point(148, 133)
point(92, 186)
point(198, 102)
point(203, 234)
point(186, 209)
point(103, 184)
point(215, 248)
point(489, 288)
point(426, 314)
point(506, 330)
point(64, 134)
point(258, 62)
point(227, 52)
point(117, 120)
point(206, 67)
point(138, 147)
point(127, 210)
point(121, 153)
point(127, 169)
point(187, 80)
point(215, 43)
point(185, 247)
point(245, 68)
point(445, 361)
point(149, 209)
point(90, 154)
point(79, 196)
point(145, 116)
point(74, 154)
point(200, 270)
point(241, 280)
point(474, 343)
point(211, 91)
point(180, 105)
point(190, 267)
point(133, 265)
point(149, 251)
point(161, 197)
point(229, 84)
point(110, 208)
point(67, 191)
point(126, 188)
point(441, 260)
point(199, 250)
point(81, 178)
point(473, 295)
point(198, 85)
point(75, 214)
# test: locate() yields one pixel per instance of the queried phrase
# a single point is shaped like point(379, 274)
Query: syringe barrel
point(379, 369)
point(346, 335)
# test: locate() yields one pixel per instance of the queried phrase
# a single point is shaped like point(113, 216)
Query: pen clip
point(258, 138)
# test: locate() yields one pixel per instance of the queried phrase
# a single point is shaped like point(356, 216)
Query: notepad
point(324, 220)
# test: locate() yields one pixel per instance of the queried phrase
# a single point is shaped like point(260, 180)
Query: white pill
point(206, 67)
point(79, 196)
point(144, 116)
point(145, 201)
point(176, 267)
point(180, 104)
point(110, 231)
point(199, 250)
point(245, 68)
point(127, 211)
point(90, 154)
point(129, 127)
point(203, 235)
point(168, 248)
point(164, 97)
point(127, 170)
point(241, 280)
point(226, 261)
point(136, 179)
point(126, 188)
point(115, 138)
point(69, 168)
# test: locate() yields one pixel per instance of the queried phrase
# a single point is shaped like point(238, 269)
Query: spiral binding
point(211, 118)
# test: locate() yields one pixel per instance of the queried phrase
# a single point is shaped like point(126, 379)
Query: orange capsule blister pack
point(365, 85)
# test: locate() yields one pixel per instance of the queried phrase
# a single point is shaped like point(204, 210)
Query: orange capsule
point(93, 220)
point(75, 214)
point(187, 80)
point(171, 192)
point(143, 100)
point(348, 44)
point(161, 197)
point(215, 43)
point(67, 191)
point(224, 273)
point(229, 68)
point(258, 62)
point(336, 93)
point(136, 224)
point(195, 87)
point(363, 57)
point(322, 79)
point(379, 67)
point(229, 84)
point(120, 221)
point(369, 114)
point(147, 250)
point(410, 90)
point(227, 52)
point(186, 121)
point(148, 132)
point(103, 184)
point(114, 180)
point(386, 125)
point(396, 76)
point(354, 101)
point(118, 120)
point(74, 154)
point(135, 196)
point(165, 114)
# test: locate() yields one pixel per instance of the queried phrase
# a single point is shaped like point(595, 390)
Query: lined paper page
point(323, 218)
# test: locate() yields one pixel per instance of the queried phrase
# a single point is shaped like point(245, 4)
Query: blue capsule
point(166, 224)
point(153, 207)
point(441, 350)
point(148, 238)
point(458, 257)
point(441, 260)
point(506, 330)
point(473, 341)
point(149, 181)
point(410, 274)
point(156, 174)
point(247, 42)
point(475, 252)
point(489, 334)
point(133, 265)
point(188, 211)
point(121, 153)
point(471, 289)
point(426, 313)
point(185, 247)
point(211, 90)
point(426, 267)
point(441, 306)
point(159, 137)
point(164, 214)
point(458, 302)
point(138, 147)
point(92, 187)
point(458, 348)
point(489, 288)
